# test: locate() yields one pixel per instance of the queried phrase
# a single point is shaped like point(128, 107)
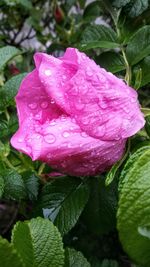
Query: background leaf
point(7, 53)
point(9, 90)
point(2, 185)
point(97, 36)
point(114, 65)
point(63, 201)
point(137, 50)
point(42, 244)
point(134, 208)
point(75, 259)
point(101, 207)
point(14, 185)
point(8, 255)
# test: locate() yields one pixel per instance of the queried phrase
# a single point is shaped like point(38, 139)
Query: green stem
point(41, 168)
point(8, 163)
point(7, 114)
point(128, 69)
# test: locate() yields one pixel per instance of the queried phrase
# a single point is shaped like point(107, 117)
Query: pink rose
point(74, 115)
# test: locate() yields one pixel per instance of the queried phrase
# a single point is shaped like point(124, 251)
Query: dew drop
point(50, 138)
point(52, 123)
point(85, 120)
point(66, 134)
point(64, 77)
point(133, 100)
point(48, 73)
point(83, 134)
point(79, 106)
point(63, 118)
point(89, 72)
point(20, 140)
point(52, 101)
point(49, 155)
point(100, 131)
point(44, 104)
point(32, 105)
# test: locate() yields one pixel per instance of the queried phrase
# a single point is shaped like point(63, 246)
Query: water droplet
point(79, 105)
point(101, 78)
point(50, 138)
point(49, 155)
point(48, 72)
point(44, 104)
point(52, 101)
point(52, 123)
point(89, 72)
point(32, 105)
point(63, 118)
point(64, 77)
point(100, 131)
point(83, 134)
point(126, 109)
point(133, 100)
point(103, 104)
point(20, 140)
point(66, 134)
point(85, 120)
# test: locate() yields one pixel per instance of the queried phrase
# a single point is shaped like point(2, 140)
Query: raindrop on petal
point(32, 105)
point(50, 138)
point(66, 134)
point(44, 104)
point(48, 72)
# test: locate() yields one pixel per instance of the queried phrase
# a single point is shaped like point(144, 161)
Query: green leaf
point(14, 185)
point(144, 231)
point(2, 185)
point(132, 159)
point(32, 185)
point(9, 90)
point(145, 67)
point(75, 259)
point(147, 125)
point(111, 174)
point(137, 50)
point(8, 255)
point(134, 207)
point(111, 61)
point(63, 201)
point(120, 3)
point(92, 11)
point(136, 7)
point(100, 212)
point(97, 36)
point(100, 44)
point(7, 53)
point(38, 243)
point(109, 263)
point(146, 111)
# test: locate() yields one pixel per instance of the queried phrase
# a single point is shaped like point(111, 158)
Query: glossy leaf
point(8, 255)
point(97, 36)
point(137, 50)
point(14, 185)
point(63, 201)
point(7, 53)
point(102, 218)
point(38, 243)
point(111, 61)
point(75, 259)
point(134, 207)
point(9, 90)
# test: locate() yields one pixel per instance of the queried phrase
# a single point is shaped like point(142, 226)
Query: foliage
point(101, 221)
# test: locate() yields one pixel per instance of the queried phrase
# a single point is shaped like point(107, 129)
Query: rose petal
point(64, 146)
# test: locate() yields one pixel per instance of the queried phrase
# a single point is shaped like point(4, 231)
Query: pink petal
point(63, 145)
